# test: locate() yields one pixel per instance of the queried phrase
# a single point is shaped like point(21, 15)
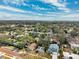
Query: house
point(9, 53)
point(55, 39)
point(40, 50)
point(33, 46)
point(3, 35)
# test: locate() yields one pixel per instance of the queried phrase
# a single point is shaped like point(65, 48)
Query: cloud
point(17, 2)
point(10, 16)
point(54, 2)
point(46, 16)
point(60, 6)
point(64, 9)
point(62, 17)
point(10, 8)
point(37, 7)
point(68, 17)
point(74, 15)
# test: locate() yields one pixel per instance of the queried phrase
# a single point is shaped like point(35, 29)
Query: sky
point(43, 10)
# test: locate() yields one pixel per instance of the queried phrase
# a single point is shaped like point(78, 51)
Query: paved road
point(75, 56)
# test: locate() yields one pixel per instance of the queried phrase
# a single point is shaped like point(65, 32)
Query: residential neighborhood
point(53, 40)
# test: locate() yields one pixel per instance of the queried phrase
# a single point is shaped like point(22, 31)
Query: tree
point(53, 48)
point(62, 40)
point(44, 43)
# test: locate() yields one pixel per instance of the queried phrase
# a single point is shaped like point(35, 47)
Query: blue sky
point(44, 10)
